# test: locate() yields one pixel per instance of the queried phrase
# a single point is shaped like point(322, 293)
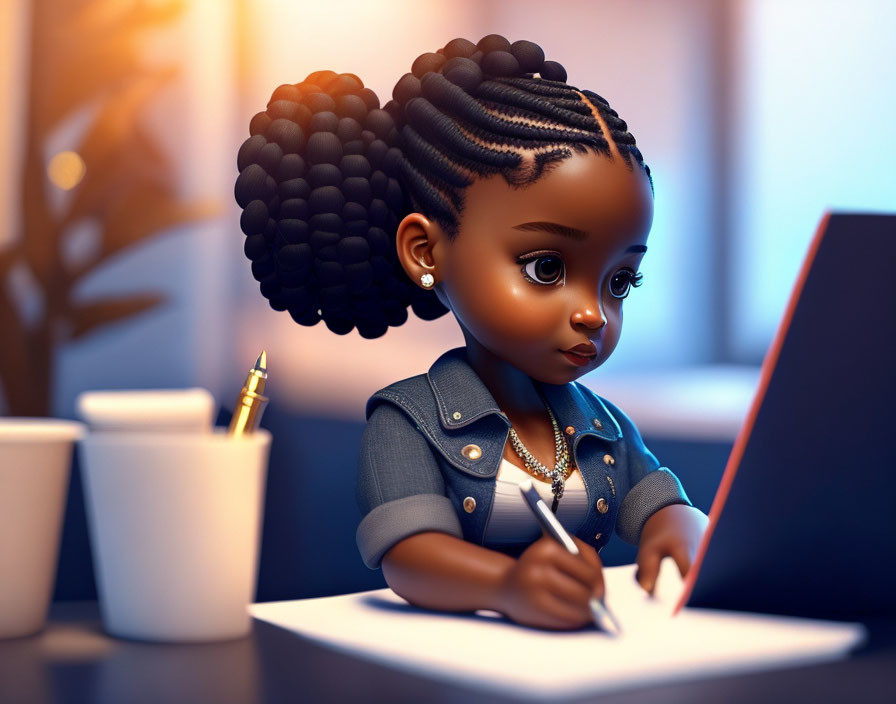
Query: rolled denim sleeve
point(650, 486)
point(400, 488)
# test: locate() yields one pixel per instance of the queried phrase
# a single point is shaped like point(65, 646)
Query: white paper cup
point(175, 524)
point(35, 464)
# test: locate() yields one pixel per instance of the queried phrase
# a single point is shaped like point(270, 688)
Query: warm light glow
point(66, 170)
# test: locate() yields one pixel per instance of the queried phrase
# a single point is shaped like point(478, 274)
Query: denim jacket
point(433, 444)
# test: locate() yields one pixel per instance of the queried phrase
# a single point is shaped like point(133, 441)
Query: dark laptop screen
point(809, 524)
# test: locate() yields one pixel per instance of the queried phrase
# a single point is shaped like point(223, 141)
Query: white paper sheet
point(490, 652)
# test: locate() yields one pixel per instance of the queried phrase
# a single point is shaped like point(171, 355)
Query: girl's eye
point(545, 270)
point(622, 282)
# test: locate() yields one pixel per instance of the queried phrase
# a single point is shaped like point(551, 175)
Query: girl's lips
point(580, 360)
point(585, 348)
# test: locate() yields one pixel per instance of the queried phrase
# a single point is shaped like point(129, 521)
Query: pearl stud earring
point(427, 280)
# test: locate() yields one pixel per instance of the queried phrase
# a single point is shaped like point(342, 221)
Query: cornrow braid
point(326, 174)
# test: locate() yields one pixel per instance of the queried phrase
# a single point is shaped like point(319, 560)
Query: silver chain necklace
point(561, 470)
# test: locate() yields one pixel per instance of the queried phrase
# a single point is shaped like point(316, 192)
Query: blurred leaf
point(157, 14)
point(78, 77)
point(97, 49)
point(93, 314)
point(97, 194)
point(8, 256)
point(114, 15)
point(153, 156)
point(119, 114)
point(139, 215)
point(115, 147)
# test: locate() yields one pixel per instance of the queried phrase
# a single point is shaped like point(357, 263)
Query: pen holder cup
point(175, 524)
point(35, 464)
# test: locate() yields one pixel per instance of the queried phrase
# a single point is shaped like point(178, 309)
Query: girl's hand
point(673, 531)
point(547, 587)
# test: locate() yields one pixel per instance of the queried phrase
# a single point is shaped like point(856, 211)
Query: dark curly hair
point(326, 175)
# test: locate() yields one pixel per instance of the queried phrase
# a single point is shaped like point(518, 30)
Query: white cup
point(35, 464)
point(175, 524)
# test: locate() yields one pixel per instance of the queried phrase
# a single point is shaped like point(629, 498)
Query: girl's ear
point(417, 241)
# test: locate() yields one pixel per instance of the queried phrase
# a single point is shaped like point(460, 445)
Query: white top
point(512, 521)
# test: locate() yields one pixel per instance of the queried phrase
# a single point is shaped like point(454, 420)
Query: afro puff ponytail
point(321, 206)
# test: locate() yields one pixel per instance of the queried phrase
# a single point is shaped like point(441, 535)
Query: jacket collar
point(462, 398)
point(460, 394)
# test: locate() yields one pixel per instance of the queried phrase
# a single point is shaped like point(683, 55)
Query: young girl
point(490, 188)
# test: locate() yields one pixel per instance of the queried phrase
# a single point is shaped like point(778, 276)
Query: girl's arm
point(411, 530)
point(546, 587)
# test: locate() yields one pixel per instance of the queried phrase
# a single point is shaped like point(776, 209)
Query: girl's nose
point(590, 316)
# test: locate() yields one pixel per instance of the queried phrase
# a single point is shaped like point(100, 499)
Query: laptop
point(804, 521)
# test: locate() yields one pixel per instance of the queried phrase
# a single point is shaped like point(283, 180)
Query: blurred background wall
point(810, 128)
point(754, 115)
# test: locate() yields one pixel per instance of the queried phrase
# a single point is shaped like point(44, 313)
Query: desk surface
point(73, 660)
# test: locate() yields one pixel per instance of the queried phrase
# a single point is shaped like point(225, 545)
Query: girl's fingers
point(588, 552)
point(581, 570)
point(592, 558)
point(648, 567)
point(564, 614)
point(682, 558)
point(567, 589)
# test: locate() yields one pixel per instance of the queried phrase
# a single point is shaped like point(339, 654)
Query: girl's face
point(537, 274)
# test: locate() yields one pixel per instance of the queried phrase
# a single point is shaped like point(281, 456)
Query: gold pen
point(251, 401)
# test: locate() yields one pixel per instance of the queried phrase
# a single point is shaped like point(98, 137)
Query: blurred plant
point(85, 62)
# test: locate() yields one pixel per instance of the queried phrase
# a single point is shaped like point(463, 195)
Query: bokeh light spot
point(66, 170)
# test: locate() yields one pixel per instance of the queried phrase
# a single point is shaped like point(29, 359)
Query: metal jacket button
point(602, 506)
point(472, 452)
point(570, 430)
point(469, 504)
point(608, 459)
point(597, 424)
point(456, 415)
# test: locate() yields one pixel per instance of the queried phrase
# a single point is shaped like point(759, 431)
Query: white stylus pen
point(603, 619)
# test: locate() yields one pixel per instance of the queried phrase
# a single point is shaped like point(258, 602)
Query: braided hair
point(327, 175)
